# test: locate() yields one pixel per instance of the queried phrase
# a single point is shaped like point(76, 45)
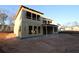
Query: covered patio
point(49, 29)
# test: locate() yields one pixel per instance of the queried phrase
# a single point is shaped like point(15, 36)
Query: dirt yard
point(56, 43)
point(7, 35)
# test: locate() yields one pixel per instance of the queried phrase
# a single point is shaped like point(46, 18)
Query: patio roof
point(49, 25)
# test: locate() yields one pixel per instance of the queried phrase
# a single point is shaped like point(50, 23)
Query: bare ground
point(56, 43)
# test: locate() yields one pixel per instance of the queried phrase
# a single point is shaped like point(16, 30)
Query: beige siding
point(29, 22)
point(18, 22)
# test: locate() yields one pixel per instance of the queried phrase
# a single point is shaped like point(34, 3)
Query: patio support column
point(53, 29)
point(46, 29)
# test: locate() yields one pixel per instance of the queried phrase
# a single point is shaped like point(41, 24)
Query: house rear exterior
point(29, 22)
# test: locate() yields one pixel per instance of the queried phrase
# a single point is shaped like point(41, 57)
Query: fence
point(6, 28)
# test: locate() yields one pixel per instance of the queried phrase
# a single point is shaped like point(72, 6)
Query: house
point(75, 28)
point(29, 22)
point(69, 28)
point(72, 28)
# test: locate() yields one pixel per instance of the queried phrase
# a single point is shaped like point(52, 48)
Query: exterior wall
point(17, 24)
point(29, 22)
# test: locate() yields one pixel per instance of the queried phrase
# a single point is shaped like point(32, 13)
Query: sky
point(62, 14)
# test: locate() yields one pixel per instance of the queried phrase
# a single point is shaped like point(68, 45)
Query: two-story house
point(29, 22)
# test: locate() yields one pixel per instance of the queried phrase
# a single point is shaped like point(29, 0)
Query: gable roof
point(21, 6)
point(32, 9)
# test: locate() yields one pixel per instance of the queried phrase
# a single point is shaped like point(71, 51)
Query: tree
point(3, 17)
point(11, 20)
point(75, 23)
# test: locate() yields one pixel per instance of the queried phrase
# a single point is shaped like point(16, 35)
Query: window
point(44, 22)
point(28, 15)
point(38, 17)
point(55, 29)
point(35, 29)
point(49, 22)
point(39, 29)
point(34, 16)
point(30, 29)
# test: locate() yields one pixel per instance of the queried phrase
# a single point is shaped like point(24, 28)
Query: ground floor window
point(55, 29)
point(30, 29)
point(39, 29)
point(35, 30)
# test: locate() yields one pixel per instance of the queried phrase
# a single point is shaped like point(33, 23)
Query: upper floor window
point(49, 22)
point(44, 22)
point(28, 15)
point(38, 17)
point(34, 16)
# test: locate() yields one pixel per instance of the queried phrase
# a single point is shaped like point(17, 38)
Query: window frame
point(28, 15)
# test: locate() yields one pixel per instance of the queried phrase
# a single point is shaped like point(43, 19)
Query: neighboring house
point(69, 28)
point(75, 28)
point(29, 22)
